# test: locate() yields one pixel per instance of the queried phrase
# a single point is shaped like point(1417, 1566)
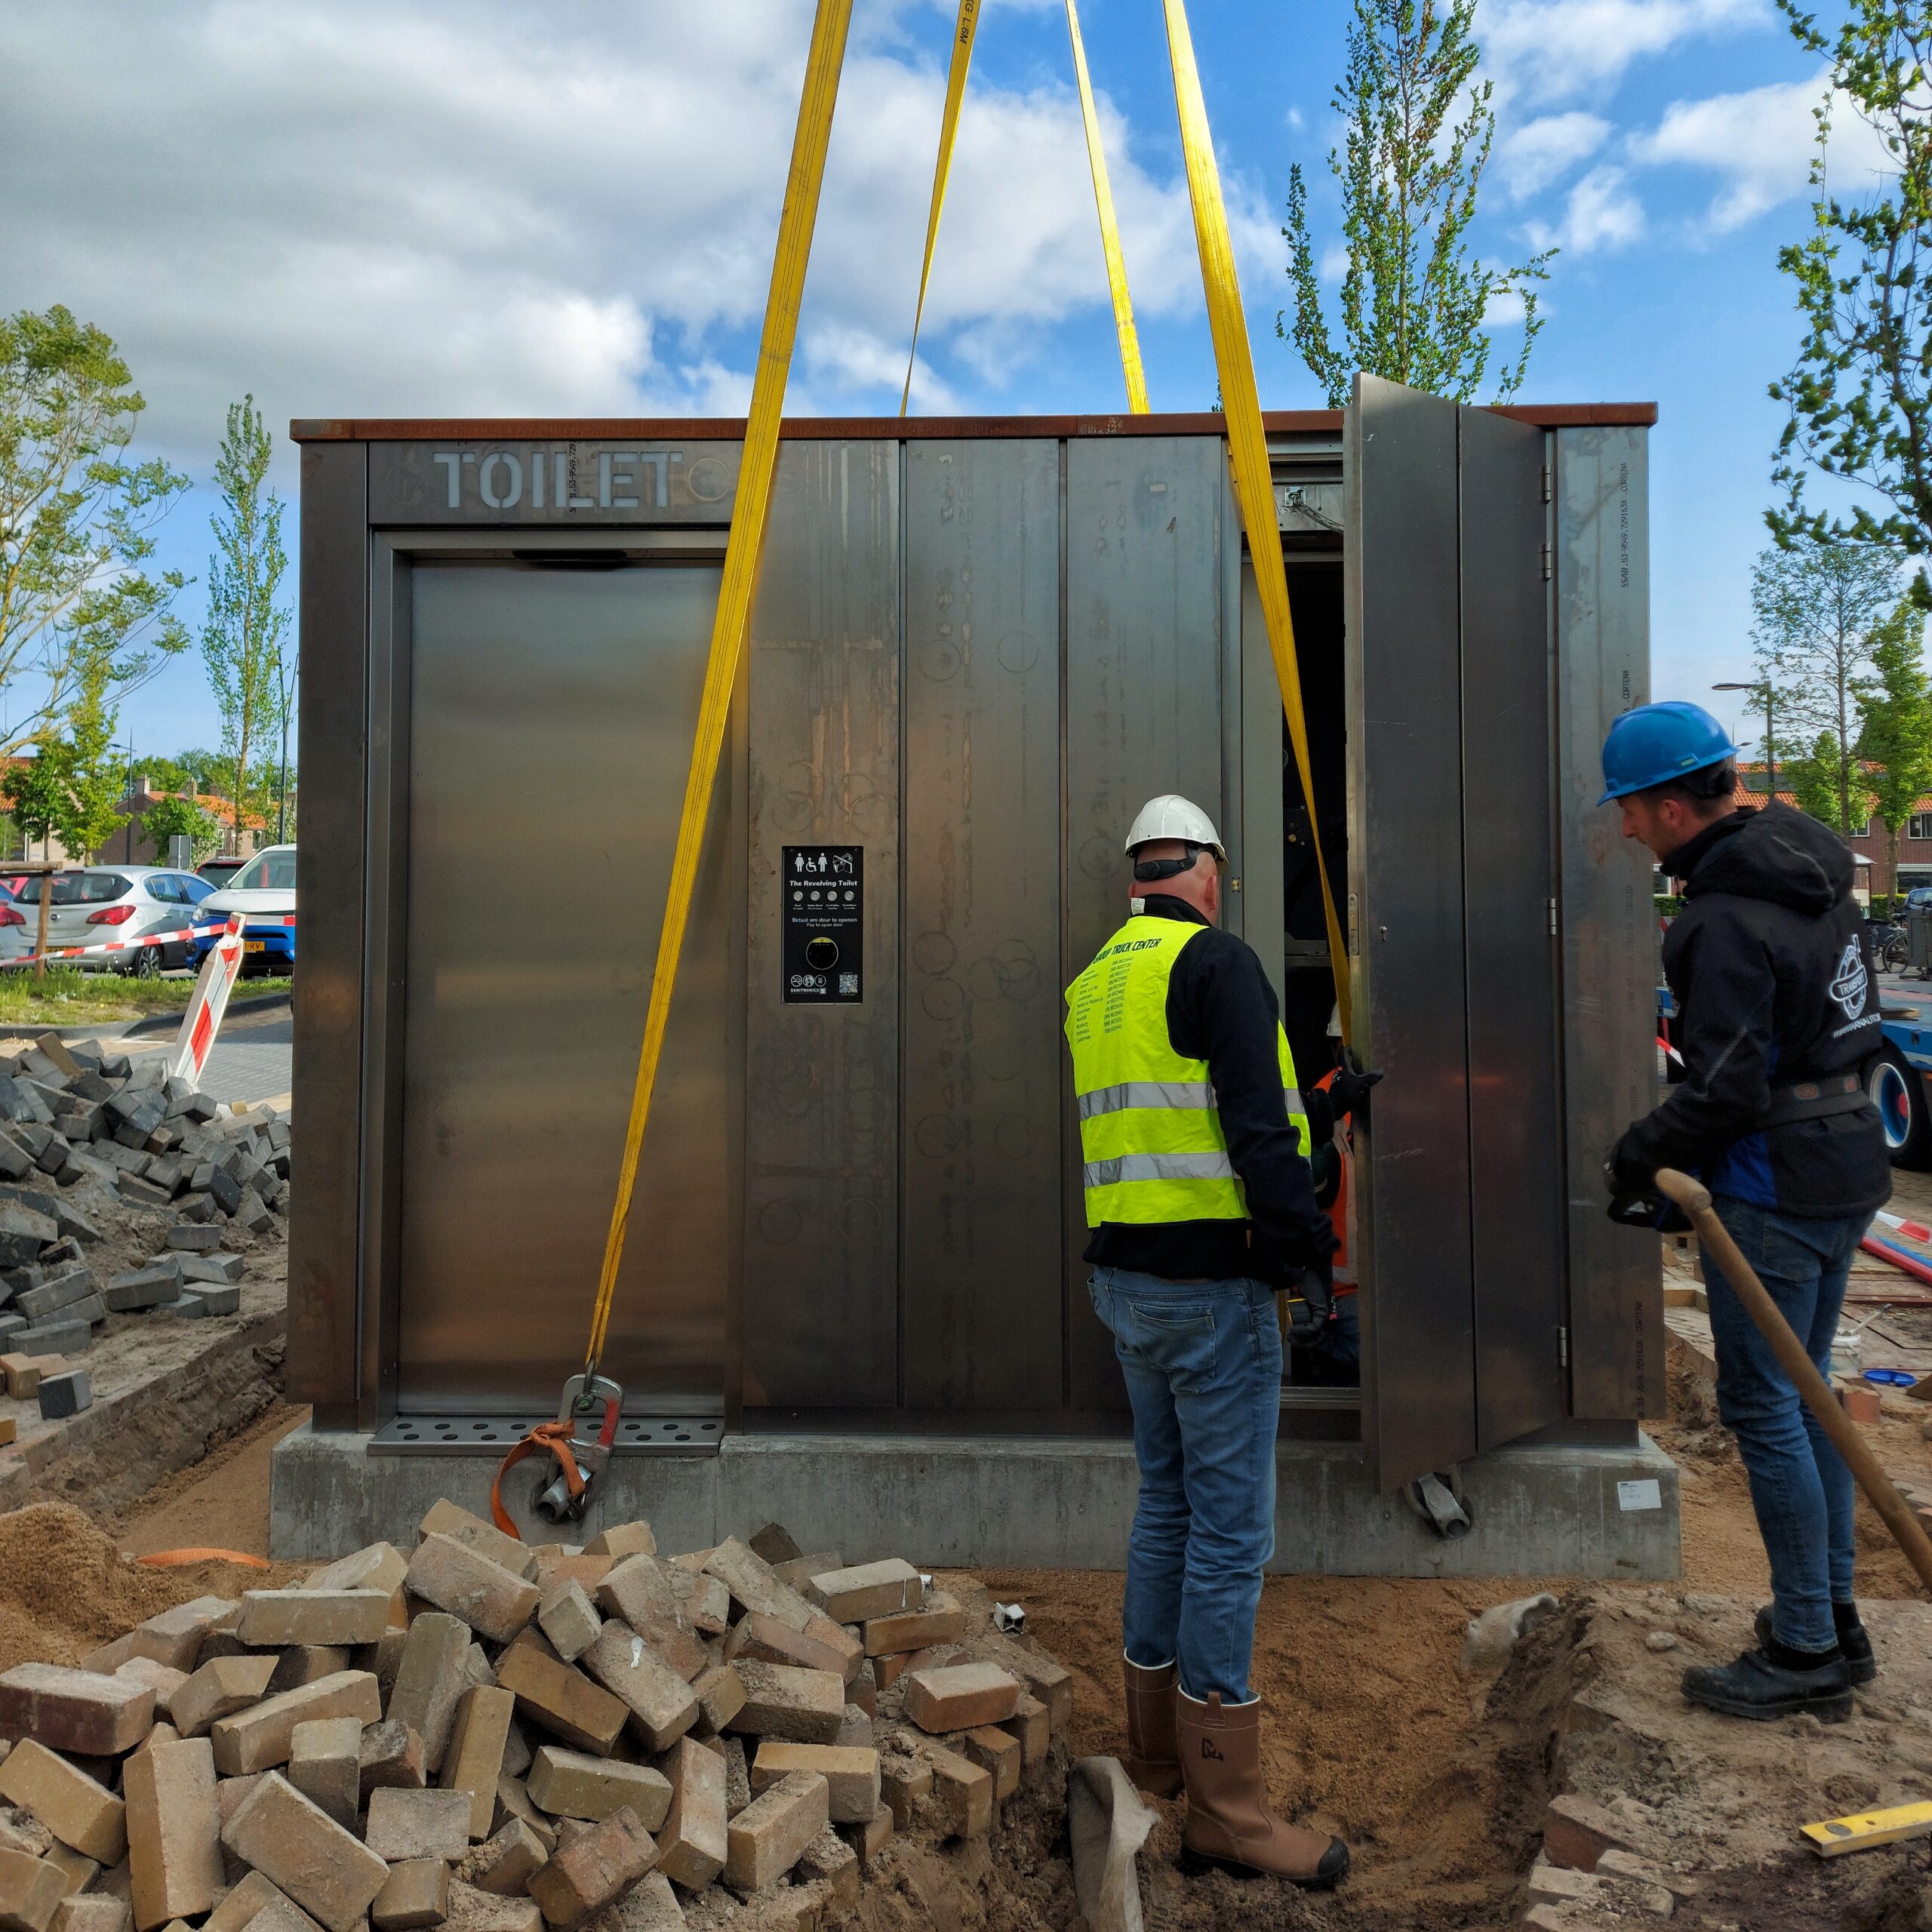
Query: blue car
point(263, 893)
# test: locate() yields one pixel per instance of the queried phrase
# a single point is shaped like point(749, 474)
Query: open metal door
point(1451, 883)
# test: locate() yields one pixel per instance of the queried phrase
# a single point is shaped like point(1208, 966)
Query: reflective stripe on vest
point(1150, 1136)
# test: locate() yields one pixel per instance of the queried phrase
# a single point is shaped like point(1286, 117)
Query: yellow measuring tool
point(1248, 443)
point(1863, 1831)
point(964, 28)
point(1103, 200)
point(755, 468)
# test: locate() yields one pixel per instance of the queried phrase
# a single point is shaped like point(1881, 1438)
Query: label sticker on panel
point(1641, 1495)
point(823, 894)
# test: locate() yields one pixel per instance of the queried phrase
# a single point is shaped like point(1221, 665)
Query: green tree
point(1414, 300)
point(34, 794)
point(244, 640)
point(93, 777)
point(1859, 395)
point(1814, 778)
point(1895, 729)
point(1818, 610)
point(203, 771)
point(76, 522)
point(178, 817)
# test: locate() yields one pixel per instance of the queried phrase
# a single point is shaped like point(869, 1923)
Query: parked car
point(263, 893)
point(97, 905)
point(219, 871)
point(17, 929)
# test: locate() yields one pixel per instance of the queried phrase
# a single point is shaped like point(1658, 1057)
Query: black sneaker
point(1756, 1687)
point(1854, 1641)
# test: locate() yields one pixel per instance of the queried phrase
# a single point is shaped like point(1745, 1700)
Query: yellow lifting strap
point(1247, 443)
point(967, 26)
point(1103, 200)
point(755, 468)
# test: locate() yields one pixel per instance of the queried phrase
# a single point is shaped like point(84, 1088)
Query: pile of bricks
point(505, 1738)
point(74, 1113)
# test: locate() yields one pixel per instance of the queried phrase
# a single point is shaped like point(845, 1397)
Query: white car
point(263, 893)
point(108, 906)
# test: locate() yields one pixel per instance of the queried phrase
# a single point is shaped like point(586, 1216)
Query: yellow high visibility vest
point(1150, 1137)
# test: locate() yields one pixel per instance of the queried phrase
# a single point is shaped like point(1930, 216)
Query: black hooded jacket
point(1771, 970)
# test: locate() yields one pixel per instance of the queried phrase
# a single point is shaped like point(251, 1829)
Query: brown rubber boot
point(1152, 1762)
point(1229, 1827)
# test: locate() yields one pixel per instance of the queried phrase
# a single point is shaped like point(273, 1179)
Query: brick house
point(1915, 841)
point(131, 846)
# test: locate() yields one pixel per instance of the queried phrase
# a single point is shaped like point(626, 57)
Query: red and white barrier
point(199, 1024)
point(1912, 1230)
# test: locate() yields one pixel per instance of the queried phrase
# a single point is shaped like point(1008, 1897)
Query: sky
point(479, 208)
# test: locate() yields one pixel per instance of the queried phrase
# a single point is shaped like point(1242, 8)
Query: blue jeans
point(1801, 1490)
point(1202, 1364)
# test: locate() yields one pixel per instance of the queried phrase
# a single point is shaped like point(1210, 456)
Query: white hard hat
point(1335, 1022)
point(1172, 816)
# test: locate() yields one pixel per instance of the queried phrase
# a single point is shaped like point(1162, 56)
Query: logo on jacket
point(1850, 984)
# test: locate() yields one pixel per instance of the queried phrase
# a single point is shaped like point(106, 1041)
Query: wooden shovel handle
point(1695, 1200)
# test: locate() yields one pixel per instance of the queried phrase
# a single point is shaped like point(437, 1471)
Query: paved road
point(250, 1061)
point(251, 1056)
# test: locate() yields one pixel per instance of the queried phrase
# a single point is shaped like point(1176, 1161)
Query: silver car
point(113, 905)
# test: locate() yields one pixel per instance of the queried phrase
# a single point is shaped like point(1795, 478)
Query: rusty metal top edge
point(894, 428)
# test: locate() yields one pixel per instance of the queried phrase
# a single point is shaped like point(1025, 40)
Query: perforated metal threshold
point(469, 1436)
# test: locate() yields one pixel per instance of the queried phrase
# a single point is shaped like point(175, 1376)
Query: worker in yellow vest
point(1194, 1141)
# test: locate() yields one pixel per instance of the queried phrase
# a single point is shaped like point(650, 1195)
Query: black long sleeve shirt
point(1221, 1009)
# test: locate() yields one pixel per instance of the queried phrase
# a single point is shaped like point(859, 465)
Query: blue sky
point(347, 207)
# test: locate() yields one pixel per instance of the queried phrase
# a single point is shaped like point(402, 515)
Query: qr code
point(848, 986)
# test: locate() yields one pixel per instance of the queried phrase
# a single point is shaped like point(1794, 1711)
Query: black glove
point(1349, 1089)
point(1310, 1302)
point(1635, 1200)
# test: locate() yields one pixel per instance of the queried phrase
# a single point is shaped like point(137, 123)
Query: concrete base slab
point(1542, 1509)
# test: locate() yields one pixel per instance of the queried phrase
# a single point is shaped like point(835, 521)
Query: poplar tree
point(245, 637)
point(1414, 299)
point(1819, 610)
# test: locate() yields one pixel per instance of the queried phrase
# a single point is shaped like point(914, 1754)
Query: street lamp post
point(1771, 744)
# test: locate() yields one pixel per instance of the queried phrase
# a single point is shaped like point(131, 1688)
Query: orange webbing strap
point(554, 1436)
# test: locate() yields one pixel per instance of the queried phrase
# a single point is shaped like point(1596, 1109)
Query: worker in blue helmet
point(1778, 1022)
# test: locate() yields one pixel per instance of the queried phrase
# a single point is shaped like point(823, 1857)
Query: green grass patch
point(64, 996)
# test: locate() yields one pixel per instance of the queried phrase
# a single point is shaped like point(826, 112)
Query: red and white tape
point(150, 939)
point(116, 945)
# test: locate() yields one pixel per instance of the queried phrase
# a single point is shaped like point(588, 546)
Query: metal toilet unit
point(853, 1288)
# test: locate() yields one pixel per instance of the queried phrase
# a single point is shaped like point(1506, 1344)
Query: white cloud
point(1600, 214)
point(473, 206)
point(1535, 156)
point(1760, 143)
point(1547, 50)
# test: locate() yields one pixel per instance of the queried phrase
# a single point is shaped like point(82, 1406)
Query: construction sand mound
point(65, 1589)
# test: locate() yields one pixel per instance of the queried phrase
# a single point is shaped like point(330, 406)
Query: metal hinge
point(1562, 1347)
point(1551, 906)
point(1546, 571)
point(1546, 483)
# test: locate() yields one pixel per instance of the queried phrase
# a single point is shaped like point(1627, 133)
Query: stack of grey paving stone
point(509, 1739)
point(73, 1113)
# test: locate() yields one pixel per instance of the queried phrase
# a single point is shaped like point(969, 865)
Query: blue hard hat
point(1657, 742)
